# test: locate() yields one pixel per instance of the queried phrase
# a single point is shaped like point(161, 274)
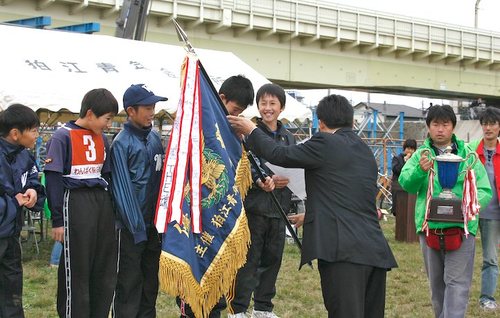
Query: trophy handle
point(427, 152)
point(471, 154)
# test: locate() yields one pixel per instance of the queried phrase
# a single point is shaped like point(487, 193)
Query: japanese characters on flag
point(184, 148)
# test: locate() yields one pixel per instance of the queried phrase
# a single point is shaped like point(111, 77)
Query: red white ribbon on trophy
point(430, 191)
point(470, 204)
point(184, 147)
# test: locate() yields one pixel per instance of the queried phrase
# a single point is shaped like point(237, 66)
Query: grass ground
point(299, 293)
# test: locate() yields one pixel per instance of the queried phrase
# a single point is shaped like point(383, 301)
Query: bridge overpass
point(311, 44)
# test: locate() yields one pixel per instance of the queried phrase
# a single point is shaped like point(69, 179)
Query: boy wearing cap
point(77, 178)
point(137, 162)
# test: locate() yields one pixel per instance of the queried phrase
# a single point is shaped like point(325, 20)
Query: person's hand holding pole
point(297, 219)
point(268, 185)
point(280, 182)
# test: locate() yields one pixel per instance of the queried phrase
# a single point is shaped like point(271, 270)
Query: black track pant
point(87, 270)
point(137, 285)
point(11, 279)
point(352, 290)
point(258, 276)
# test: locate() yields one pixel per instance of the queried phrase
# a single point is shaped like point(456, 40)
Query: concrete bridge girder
point(304, 45)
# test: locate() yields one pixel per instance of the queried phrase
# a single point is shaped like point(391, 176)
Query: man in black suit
point(341, 228)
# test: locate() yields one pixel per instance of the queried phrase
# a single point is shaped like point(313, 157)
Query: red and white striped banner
point(184, 147)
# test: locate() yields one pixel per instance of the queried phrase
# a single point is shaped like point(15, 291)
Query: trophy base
point(445, 210)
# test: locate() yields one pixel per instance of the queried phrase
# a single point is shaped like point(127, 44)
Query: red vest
point(496, 163)
point(88, 154)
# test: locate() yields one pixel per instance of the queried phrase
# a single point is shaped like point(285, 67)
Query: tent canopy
point(52, 70)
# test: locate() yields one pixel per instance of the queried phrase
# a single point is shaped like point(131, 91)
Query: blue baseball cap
point(140, 94)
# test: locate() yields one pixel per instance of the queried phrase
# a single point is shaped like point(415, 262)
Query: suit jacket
point(258, 201)
point(341, 223)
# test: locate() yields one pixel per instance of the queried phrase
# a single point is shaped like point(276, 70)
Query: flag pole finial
point(183, 37)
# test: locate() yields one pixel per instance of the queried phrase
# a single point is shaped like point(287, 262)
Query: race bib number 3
point(88, 154)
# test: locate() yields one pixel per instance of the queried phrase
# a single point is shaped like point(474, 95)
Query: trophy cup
point(447, 207)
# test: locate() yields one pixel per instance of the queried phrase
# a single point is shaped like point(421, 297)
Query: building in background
point(387, 112)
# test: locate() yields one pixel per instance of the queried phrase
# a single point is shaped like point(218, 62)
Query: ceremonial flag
point(200, 211)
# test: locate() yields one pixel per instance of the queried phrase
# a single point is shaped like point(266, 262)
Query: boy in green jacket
point(449, 271)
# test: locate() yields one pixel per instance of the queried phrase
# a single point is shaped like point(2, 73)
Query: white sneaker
point(238, 315)
point(263, 314)
point(488, 304)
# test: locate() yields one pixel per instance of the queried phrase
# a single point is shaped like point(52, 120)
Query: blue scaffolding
point(43, 21)
point(35, 22)
point(381, 138)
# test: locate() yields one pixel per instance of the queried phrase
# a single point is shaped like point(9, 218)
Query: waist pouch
point(445, 240)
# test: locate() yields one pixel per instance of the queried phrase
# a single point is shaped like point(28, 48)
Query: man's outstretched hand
point(241, 125)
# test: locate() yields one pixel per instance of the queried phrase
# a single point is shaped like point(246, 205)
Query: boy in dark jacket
point(137, 162)
point(77, 171)
point(267, 229)
point(19, 187)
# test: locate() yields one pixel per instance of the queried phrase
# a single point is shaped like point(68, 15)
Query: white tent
point(47, 69)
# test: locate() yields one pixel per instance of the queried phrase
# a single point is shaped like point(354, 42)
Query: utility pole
point(476, 10)
point(132, 20)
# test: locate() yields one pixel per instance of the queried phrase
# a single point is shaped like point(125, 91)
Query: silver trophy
point(447, 207)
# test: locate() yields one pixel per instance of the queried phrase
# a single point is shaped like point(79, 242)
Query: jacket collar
point(344, 129)
point(263, 126)
point(480, 148)
point(336, 131)
point(139, 132)
point(10, 150)
point(455, 145)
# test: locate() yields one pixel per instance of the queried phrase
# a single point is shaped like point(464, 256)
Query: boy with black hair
point(77, 171)
point(19, 187)
point(488, 150)
point(136, 167)
point(236, 93)
point(267, 229)
point(449, 270)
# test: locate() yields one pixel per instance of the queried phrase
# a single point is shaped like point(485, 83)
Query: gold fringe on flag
point(176, 277)
point(243, 174)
